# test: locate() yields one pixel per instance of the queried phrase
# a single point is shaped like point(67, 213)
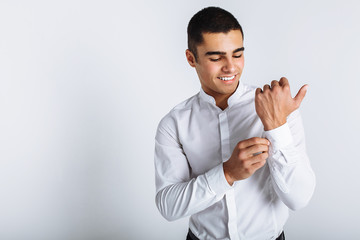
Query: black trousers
point(191, 236)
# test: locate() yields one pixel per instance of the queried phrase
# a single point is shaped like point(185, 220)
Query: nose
point(229, 66)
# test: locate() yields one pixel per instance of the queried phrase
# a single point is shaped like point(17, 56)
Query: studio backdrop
point(83, 85)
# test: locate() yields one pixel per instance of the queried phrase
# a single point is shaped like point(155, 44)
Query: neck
point(221, 100)
point(222, 103)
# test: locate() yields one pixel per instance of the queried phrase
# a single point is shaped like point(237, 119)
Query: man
point(232, 157)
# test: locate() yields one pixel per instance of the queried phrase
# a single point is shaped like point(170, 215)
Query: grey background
point(83, 85)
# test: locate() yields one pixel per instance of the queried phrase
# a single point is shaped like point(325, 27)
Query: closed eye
point(238, 56)
point(214, 59)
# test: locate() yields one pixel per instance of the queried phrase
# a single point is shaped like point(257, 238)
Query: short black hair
point(210, 20)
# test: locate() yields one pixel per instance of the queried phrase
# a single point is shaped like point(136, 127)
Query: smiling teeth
point(227, 78)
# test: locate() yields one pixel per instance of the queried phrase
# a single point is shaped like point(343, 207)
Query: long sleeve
point(194, 140)
point(291, 173)
point(177, 193)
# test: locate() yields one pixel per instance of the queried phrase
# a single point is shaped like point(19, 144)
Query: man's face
point(220, 63)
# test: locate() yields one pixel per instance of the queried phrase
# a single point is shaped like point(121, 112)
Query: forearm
point(294, 183)
point(179, 200)
point(292, 176)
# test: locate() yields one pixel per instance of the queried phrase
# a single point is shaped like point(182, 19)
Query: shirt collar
point(234, 98)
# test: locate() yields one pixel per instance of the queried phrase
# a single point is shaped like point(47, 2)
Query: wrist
point(227, 174)
point(270, 125)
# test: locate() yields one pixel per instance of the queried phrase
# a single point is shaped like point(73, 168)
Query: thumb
point(301, 94)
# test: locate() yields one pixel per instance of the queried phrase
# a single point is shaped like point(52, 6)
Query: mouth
point(227, 78)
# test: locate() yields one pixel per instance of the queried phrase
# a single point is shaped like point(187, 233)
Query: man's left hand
point(274, 103)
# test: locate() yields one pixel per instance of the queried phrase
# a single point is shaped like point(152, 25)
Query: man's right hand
point(248, 156)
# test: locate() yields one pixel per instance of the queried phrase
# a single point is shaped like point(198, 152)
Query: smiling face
point(219, 64)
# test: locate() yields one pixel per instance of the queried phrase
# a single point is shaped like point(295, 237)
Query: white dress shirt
point(192, 142)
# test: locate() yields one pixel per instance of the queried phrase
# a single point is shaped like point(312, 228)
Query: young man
point(232, 157)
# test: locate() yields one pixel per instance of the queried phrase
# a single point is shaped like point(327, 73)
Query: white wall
point(83, 85)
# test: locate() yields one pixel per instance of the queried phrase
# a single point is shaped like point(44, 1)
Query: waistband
point(191, 236)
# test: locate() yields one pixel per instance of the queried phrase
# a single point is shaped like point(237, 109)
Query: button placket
point(230, 196)
point(224, 136)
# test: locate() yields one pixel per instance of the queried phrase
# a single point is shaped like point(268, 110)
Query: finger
point(258, 165)
point(283, 81)
point(253, 141)
point(300, 95)
point(258, 91)
point(274, 83)
point(256, 149)
point(258, 158)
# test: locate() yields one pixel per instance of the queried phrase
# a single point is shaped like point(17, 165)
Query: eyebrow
point(223, 53)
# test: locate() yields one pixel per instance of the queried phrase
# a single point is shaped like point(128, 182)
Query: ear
point(190, 57)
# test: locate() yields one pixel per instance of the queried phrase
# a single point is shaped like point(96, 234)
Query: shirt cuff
point(280, 137)
point(217, 181)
